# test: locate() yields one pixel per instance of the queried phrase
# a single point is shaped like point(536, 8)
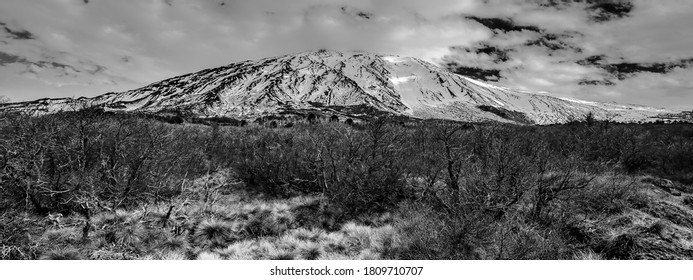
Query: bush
point(14, 233)
point(607, 194)
point(426, 233)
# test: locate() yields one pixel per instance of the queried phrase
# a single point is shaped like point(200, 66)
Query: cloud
point(17, 34)
point(555, 42)
point(474, 72)
point(604, 11)
point(624, 70)
point(495, 54)
point(597, 10)
point(6, 58)
point(56, 48)
point(503, 24)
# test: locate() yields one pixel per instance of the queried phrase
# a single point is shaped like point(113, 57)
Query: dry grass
point(131, 234)
point(587, 255)
point(209, 256)
point(62, 254)
point(173, 244)
point(241, 250)
point(60, 236)
point(310, 251)
point(353, 242)
point(165, 256)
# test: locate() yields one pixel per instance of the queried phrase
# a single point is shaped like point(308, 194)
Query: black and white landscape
point(346, 130)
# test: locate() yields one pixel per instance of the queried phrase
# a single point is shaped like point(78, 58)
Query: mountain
point(352, 84)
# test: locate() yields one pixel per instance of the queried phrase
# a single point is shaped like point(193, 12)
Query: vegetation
point(96, 185)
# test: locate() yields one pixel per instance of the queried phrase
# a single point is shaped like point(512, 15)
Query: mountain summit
point(339, 82)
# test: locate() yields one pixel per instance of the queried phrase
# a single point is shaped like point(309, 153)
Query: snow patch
point(496, 100)
point(482, 84)
point(393, 59)
point(400, 80)
point(578, 101)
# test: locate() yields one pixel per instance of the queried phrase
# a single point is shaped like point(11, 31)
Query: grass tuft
point(62, 254)
point(310, 251)
point(214, 233)
point(172, 244)
point(209, 256)
point(242, 250)
point(587, 255)
point(131, 234)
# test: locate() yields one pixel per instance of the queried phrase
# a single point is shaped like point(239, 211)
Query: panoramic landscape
point(373, 130)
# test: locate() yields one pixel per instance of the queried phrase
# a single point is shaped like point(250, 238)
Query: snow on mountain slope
point(309, 80)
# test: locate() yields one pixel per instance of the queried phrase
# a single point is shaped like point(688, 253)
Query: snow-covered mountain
point(335, 80)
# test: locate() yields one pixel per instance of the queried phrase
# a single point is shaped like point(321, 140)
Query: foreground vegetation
point(93, 185)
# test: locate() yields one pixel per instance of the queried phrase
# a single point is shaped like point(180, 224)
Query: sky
point(623, 51)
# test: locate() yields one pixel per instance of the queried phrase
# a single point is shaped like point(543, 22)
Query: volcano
point(353, 84)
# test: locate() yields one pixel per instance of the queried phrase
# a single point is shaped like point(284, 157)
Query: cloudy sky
point(633, 52)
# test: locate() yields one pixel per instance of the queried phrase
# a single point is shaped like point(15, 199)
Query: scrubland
point(93, 185)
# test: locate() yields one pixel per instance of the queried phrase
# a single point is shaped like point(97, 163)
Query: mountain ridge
point(316, 80)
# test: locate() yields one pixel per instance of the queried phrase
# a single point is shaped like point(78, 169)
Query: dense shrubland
point(113, 186)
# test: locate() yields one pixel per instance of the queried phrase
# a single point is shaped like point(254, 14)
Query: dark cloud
point(609, 10)
point(597, 10)
point(592, 60)
point(550, 41)
point(603, 82)
point(55, 65)
point(503, 24)
point(6, 58)
point(496, 54)
point(356, 13)
point(554, 42)
point(364, 15)
point(625, 70)
point(552, 3)
point(18, 34)
point(97, 69)
point(474, 72)
point(507, 49)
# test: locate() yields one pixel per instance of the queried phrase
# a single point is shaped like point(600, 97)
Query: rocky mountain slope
point(339, 81)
